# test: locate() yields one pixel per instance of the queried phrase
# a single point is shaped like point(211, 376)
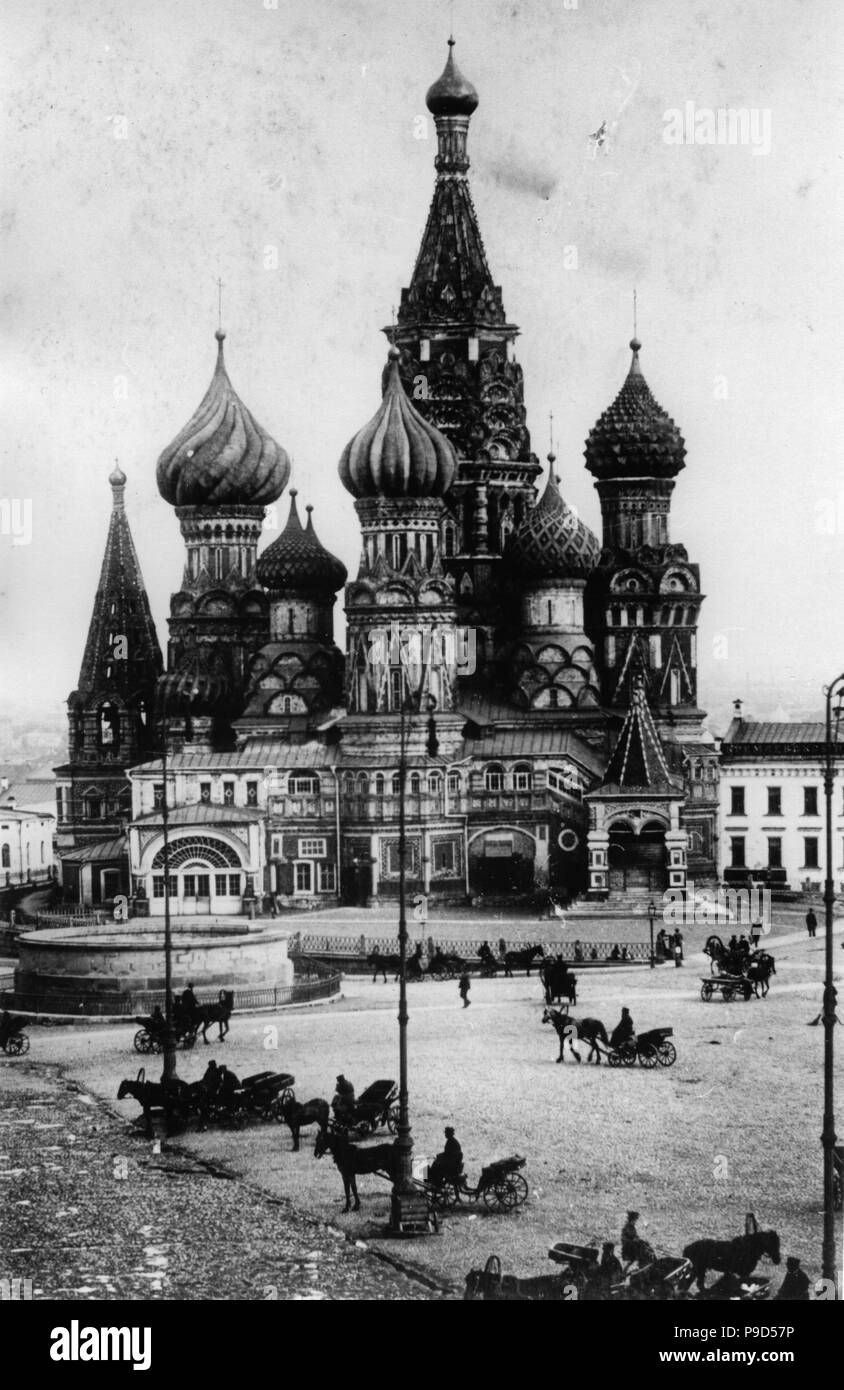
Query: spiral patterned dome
point(298, 559)
point(552, 542)
point(222, 456)
point(635, 437)
point(398, 454)
point(452, 94)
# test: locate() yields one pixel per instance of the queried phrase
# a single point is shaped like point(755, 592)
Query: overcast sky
point(151, 148)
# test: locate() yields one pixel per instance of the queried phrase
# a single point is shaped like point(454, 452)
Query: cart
point(262, 1096)
point(730, 987)
point(13, 1040)
point(650, 1049)
point(376, 1106)
point(500, 1186)
point(150, 1036)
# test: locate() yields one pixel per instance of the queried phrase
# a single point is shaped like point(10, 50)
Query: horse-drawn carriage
point(375, 1107)
point(263, 1096)
point(737, 972)
point(649, 1049)
point(500, 1186)
point(151, 1035)
point(729, 987)
point(13, 1040)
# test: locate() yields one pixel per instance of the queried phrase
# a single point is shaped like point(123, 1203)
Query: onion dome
point(398, 454)
point(298, 559)
point(452, 94)
point(635, 437)
point(552, 542)
point(222, 457)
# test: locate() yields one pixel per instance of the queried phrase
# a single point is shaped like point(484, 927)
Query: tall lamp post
point(409, 1207)
point(168, 1075)
point(835, 691)
point(651, 916)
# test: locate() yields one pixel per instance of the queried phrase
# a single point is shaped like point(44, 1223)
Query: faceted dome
point(298, 560)
point(222, 456)
point(635, 437)
point(452, 94)
point(398, 454)
point(552, 542)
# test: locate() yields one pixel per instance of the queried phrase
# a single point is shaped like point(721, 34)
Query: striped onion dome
point(398, 454)
point(222, 457)
point(635, 437)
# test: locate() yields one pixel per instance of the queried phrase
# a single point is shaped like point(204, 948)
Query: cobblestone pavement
point(83, 1215)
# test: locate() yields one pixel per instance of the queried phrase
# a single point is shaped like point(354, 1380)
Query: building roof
point(22, 813)
point(255, 757)
point(638, 763)
point(635, 437)
point(552, 541)
point(222, 457)
point(743, 732)
point(297, 559)
point(533, 742)
point(98, 852)
point(203, 813)
point(452, 94)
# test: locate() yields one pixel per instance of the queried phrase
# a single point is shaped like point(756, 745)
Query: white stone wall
point(793, 826)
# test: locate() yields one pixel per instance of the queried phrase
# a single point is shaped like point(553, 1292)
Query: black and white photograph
point(422, 680)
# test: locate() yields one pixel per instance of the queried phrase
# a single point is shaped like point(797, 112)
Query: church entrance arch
point(205, 877)
point(637, 857)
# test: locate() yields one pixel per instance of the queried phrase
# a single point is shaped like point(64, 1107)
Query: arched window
point(522, 777)
point(349, 784)
point(109, 726)
point(363, 784)
point(379, 784)
point(494, 777)
point(396, 784)
point(6, 857)
point(415, 784)
point(448, 539)
point(435, 783)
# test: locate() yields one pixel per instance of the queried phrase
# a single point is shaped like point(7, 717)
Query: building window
point(363, 784)
point(157, 795)
point(227, 885)
point(379, 784)
point(774, 852)
point(445, 858)
point(396, 784)
point(228, 793)
point(60, 804)
point(312, 849)
point(415, 784)
point(205, 791)
point(252, 793)
point(810, 852)
point(305, 784)
point(775, 801)
point(396, 689)
point(6, 857)
point(494, 778)
point(737, 801)
point(196, 885)
point(810, 801)
point(454, 783)
point(327, 878)
point(276, 846)
point(522, 778)
point(94, 808)
point(737, 852)
point(158, 886)
point(303, 878)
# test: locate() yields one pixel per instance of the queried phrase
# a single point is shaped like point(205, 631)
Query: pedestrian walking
point(811, 923)
point(465, 986)
point(678, 948)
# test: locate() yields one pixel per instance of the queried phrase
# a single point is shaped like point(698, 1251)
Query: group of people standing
point(670, 947)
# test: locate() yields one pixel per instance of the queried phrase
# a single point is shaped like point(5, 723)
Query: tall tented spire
point(638, 762)
point(122, 652)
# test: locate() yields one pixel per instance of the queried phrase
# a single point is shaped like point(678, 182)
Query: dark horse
point(153, 1095)
point(518, 959)
point(352, 1159)
point(591, 1030)
point(220, 1013)
point(739, 1256)
point(296, 1115)
point(381, 964)
point(759, 972)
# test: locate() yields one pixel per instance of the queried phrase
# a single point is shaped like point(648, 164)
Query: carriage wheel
point(648, 1056)
point(17, 1045)
point(141, 1041)
point(666, 1054)
point(614, 1058)
point(393, 1119)
point(520, 1187)
point(706, 991)
point(628, 1054)
point(499, 1196)
point(443, 1197)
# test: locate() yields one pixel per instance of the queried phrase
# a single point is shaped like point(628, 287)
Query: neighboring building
point(26, 844)
point(772, 805)
point(531, 688)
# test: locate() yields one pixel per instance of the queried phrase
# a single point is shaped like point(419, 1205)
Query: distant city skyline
point(306, 187)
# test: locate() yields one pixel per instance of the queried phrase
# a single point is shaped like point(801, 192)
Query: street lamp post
point(409, 1207)
point(651, 916)
point(833, 691)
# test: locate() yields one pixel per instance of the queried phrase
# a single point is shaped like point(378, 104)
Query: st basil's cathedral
point(528, 690)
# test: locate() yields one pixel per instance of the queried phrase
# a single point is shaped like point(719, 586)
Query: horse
point(760, 971)
point(155, 1095)
point(297, 1114)
point(568, 1028)
point(521, 958)
point(220, 1013)
point(381, 964)
point(353, 1159)
point(739, 1256)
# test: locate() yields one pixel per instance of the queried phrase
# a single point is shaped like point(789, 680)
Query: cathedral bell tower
point(458, 367)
